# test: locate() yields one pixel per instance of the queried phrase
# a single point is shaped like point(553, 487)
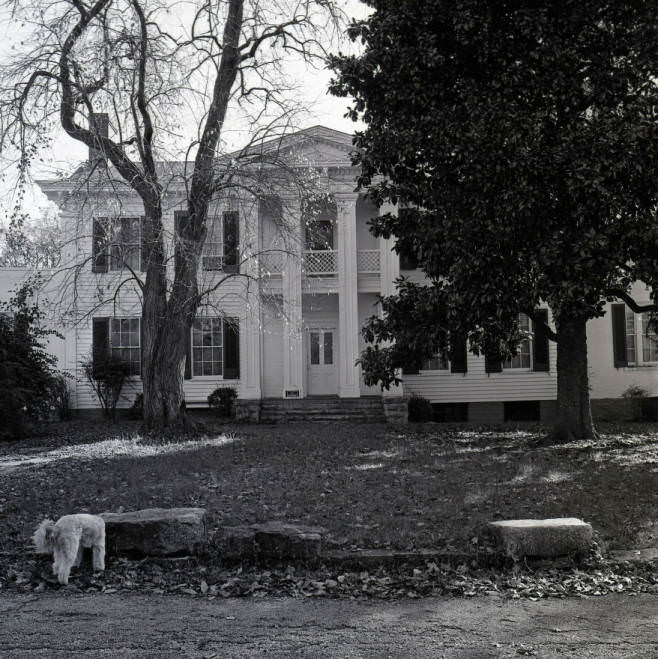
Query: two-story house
point(284, 328)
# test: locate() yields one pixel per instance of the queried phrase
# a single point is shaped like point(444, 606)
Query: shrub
point(106, 377)
point(27, 374)
point(221, 401)
point(136, 410)
point(420, 409)
point(636, 395)
point(61, 396)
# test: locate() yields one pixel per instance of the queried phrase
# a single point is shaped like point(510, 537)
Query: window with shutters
point(641, 339)
point(125, 243)
point(214, 348)
point(523, 357)
point(125, 342)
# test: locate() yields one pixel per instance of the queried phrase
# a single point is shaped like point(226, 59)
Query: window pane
point(649, 341)
point(207, 368)
point(328, 348)
point(315, 348)
point(631, 356)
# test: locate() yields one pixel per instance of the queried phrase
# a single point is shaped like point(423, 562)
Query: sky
point(65, 153)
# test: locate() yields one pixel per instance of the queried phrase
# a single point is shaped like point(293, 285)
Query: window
point(213, 248)
point(641, 339)
point(117, 244)
point(214, 348)
point(125, 243)
point(438, 362)
point(207, 343)
point(118, 337)
point(523, 357)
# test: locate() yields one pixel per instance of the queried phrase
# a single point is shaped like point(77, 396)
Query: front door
point(322, 372)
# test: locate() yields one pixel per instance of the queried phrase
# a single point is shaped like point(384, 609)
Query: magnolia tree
point(151, 71)
point(521, 139)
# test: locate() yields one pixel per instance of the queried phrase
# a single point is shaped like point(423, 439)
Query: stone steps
point(358, 410)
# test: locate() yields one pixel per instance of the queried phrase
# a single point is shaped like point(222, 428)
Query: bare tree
point(153, 68)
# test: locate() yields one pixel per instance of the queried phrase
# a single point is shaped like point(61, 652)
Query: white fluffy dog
point(66, 539)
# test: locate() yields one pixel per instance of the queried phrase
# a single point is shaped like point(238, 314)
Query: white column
point(250, 335)
point(348, 301)
point(389, 272)
point(293, 344)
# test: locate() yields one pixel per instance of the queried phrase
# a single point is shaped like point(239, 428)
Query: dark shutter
point(410, 370)
point(493, 362)
point(100, 341)
point(99, 259)
point(540, 341)
point(458, 354)
point(141, 348)
point(187, 375)
point(231, 241)
point(618, 312)
point(231, 348)
point(144, 247)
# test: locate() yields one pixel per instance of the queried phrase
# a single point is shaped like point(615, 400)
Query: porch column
point(389, 272)
point(250, 336)
point(293, 344)
point(348, 307)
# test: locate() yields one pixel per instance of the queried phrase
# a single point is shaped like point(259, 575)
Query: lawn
point(429, 486)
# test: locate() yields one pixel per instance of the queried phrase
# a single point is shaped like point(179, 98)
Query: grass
point(371, 486)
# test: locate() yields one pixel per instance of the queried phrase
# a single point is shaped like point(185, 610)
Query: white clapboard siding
point(478, 386)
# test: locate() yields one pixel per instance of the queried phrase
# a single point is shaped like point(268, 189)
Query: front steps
point(322, 408)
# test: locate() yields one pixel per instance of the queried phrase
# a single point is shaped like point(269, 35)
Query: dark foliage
point(106, 377)
point(420, 409)
point(519, 141)
point(221, 401)
point(136, 410)
point(29, 386)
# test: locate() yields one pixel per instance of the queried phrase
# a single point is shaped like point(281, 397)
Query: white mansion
point(287, 334)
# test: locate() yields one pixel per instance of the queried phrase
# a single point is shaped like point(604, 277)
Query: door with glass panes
point(321, 353)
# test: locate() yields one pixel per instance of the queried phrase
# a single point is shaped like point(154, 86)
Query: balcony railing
point(367, 262)
point(321, 263)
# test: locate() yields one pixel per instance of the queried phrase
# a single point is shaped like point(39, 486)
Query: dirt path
point(126, 625)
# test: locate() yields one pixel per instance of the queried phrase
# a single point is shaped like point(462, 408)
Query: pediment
point(318, 146)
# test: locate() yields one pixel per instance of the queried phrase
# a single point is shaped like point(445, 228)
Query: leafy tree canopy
point(522, 138)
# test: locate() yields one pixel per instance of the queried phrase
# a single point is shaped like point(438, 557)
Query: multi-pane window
point(207, 342)
point(125, 342)
point(523, 357)
point(213, 248)
point(641, 339)
point(438, 362)
point(125, 242)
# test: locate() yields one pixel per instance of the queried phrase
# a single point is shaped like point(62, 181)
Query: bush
point(27, 374)
point(636, 395)
point(420, 409)
point(61, 396)
point(106, 377)
point(221, 401)
point(136, 410)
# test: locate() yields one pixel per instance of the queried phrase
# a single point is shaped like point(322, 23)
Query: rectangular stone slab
point(545, 538)
point(155, 531)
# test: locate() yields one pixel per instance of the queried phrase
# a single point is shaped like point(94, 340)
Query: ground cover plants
point(370, 486)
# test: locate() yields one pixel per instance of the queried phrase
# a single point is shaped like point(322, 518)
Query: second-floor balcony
point(320, 263)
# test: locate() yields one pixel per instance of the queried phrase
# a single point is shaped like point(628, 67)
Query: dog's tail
point(45, 537)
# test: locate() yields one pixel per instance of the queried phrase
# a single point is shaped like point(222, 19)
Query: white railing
point(320, 262)
point(271, 263)
point(368, 262)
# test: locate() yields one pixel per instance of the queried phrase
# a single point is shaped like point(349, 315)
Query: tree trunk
point(574, 414)
point(166, 327)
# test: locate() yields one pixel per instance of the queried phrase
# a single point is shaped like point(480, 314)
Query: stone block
point(155, 531)
point(542, 538)
point(272, 541)
point(395, 409)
